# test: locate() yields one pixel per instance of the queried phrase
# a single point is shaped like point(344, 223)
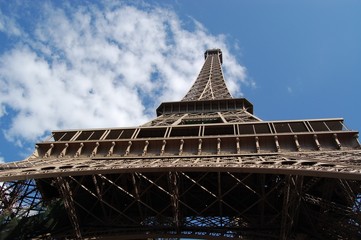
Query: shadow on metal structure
point(204, 168)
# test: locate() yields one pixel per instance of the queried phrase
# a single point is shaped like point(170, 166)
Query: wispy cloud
point(8, 25)
point(2, 160)
point(101, 66)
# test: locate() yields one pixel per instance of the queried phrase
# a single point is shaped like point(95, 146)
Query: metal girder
point(173, 179)
point(68, 199)
point(102, 200)
point(235, 215)
point(291, 204)
point(206, 167)
point(19, 199)
point(306, 164)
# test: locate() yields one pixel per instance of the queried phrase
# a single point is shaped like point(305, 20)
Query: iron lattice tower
point(205, 167)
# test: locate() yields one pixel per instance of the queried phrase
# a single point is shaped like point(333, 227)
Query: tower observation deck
point(205, 167)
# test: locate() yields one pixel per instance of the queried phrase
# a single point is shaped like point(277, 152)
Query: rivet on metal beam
point(298, 146)
point(257, 144)
point(63, 152)
point(337, 141)
point(181, 147)
point(199, 146)
point(145, 148)
point(36, 152)
point(95, 150)
point(317, 142)
point(278, 148)
point(163, 147)
point(238, 146)
point(48, 153)
point(128, 148)
point(78, 152)
point(111, 150)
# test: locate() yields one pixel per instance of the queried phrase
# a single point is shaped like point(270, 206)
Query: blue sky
point(76, 64)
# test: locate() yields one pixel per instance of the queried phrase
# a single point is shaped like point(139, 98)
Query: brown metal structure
point(206, 167)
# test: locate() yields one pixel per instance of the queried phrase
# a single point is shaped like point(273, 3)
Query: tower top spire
point(209, 93)
point(214, 51)
point(210, 83)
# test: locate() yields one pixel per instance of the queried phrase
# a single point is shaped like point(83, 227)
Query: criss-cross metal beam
point(67, 196)
point(103, 201)
point(291, 204)
point(173, 179)
point(206, 167)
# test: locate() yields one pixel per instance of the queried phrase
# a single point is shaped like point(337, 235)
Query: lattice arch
point(205, 167)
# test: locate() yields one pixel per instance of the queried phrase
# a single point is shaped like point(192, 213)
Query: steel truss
point(202, 204)
point(206, 167)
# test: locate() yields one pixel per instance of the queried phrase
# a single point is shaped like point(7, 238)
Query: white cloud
point(95, 66)
point(8, 25)
point(2, 160)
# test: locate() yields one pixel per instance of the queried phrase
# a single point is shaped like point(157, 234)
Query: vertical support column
point(291, 203)
point(261, 207)
point(219, 197)
point(137, 193)
point(99, 192)
point(67, 195)
point(173, 183)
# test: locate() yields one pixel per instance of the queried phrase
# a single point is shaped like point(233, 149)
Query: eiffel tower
point(206, 167)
